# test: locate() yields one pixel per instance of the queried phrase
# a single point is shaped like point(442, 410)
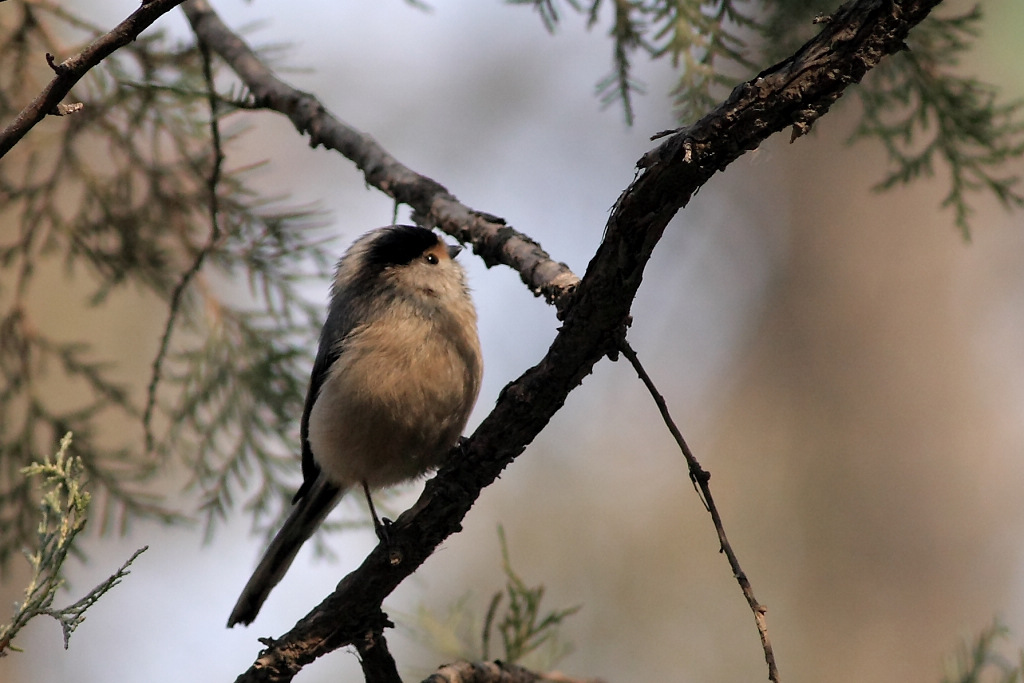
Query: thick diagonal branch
point(793, 93)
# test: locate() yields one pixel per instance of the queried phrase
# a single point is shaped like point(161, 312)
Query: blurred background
point(846, 366)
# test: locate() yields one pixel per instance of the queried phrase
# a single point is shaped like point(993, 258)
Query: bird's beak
point(453, 250)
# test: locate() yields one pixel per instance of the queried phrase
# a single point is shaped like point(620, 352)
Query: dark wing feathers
point(339, 324)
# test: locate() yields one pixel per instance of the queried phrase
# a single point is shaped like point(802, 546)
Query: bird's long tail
point(305, 517)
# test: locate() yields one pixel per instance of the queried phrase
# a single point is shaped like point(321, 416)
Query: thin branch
point(211, 243)
point(71, 70)
point(793, 93)
point(432, 204)
point(701, 480)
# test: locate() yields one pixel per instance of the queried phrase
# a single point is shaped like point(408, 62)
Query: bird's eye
point(432, 259)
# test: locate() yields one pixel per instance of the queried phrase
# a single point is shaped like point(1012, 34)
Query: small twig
point(52, 62)
point(701, 478)
point(197, 264)
point(73, 615)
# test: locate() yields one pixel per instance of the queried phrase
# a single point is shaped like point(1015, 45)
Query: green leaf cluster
point(928, 117)
point(527, 628)
point(62, 516)
point(706, 42)
point(523, 626)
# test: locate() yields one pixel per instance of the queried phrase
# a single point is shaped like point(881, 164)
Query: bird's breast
point(390, 410)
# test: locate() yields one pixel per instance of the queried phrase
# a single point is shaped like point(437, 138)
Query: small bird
point(395, 377)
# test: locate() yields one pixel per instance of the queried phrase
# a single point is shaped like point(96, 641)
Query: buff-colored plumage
point(396, 376)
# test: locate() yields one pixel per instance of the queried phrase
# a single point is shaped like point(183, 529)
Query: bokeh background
point(846, 366)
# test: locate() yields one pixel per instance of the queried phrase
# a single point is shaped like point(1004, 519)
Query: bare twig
point(492, 239)
point(71, 70)
point(197, 263)
point(701, 478)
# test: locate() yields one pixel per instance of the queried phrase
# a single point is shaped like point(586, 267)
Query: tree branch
point(793, 93)
point(71, 70)
point(492, 240)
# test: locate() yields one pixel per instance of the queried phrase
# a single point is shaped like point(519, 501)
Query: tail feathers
point(307, 515)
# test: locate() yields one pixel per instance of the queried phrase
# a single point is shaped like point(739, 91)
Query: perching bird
point(395, 377)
